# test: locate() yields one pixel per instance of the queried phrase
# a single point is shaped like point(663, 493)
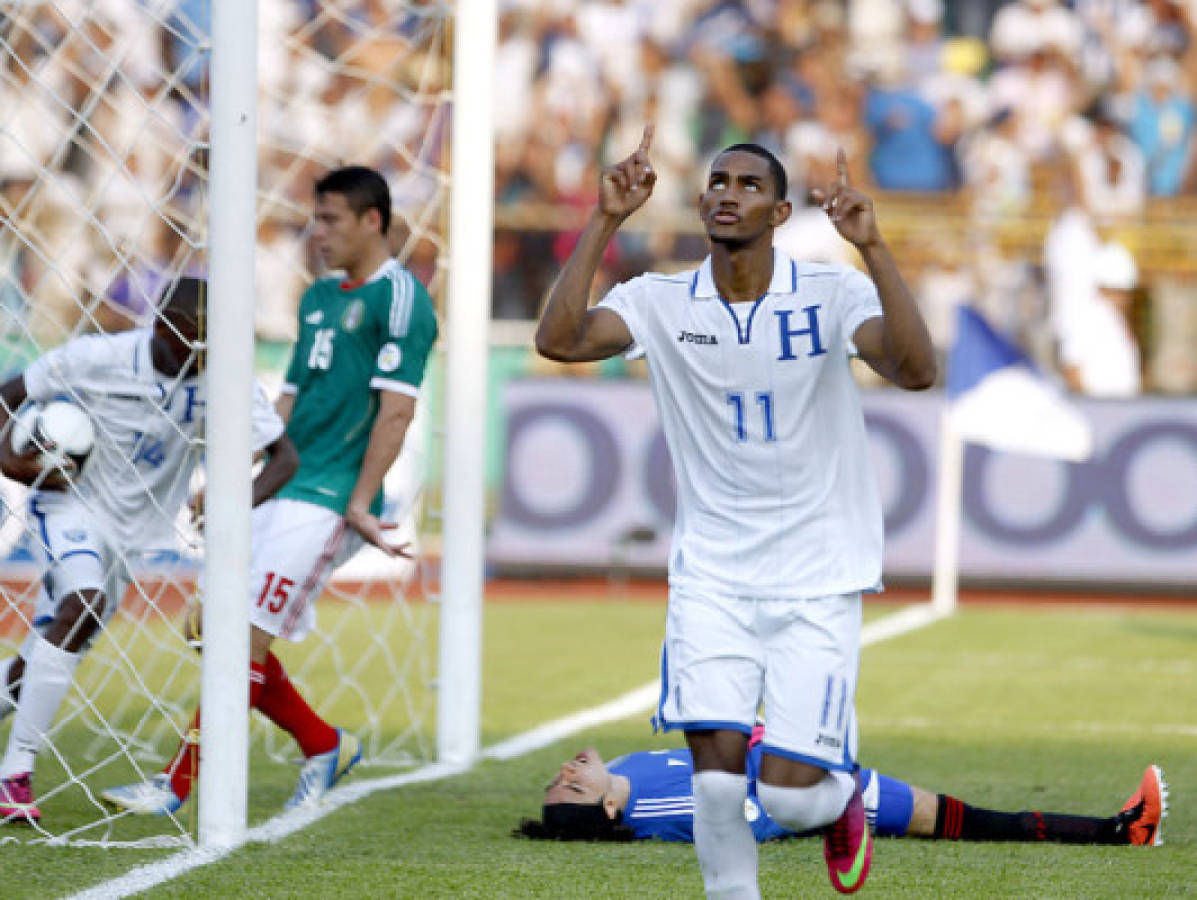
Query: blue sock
point(888, 802)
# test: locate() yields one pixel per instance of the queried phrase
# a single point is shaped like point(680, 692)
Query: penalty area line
point(637, 700)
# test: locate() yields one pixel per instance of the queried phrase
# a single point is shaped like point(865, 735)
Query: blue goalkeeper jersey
point(661, 802)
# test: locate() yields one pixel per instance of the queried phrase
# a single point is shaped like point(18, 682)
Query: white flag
point(1000, 400)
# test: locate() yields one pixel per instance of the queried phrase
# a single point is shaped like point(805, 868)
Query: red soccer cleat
point(1146, 810)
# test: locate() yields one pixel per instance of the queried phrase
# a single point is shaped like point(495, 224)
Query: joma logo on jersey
point(689, 337)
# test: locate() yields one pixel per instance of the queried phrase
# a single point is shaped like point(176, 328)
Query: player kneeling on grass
point(349, 396)
point(144, 393)
point(649, 795)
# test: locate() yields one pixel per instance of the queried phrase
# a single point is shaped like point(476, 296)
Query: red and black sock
point(957, 821)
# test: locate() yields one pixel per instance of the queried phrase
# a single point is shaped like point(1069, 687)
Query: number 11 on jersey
point(764, 399)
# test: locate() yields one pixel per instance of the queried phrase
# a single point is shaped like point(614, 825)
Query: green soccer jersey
point(354, 340)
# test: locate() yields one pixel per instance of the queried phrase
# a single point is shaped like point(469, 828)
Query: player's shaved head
point(179, 327)
point(777, 171)
point(363, 189)
point(184, 297)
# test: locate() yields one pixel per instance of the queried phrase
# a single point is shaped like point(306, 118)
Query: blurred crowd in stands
point(103, 146)
point(973, 121)
point(1031, 157)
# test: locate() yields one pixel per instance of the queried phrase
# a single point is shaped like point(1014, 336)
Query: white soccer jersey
point(137, 475)
point(776, 496)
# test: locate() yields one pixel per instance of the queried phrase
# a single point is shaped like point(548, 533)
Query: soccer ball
point(61, 430)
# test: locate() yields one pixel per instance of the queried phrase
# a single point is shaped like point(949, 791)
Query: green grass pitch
point(1012, 707)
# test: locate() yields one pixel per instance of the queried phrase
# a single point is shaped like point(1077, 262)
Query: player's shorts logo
point(314, 318)
point(354, 313)
point(389, 358)
point(75, 535)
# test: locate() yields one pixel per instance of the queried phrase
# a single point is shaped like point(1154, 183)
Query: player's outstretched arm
point(897, 345)
point(284, 404)
point(569, 330)
point(395, 412)
point(280, 466)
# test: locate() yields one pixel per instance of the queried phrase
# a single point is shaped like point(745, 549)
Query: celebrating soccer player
point(145, 396)
point(779, 519)
point(350, 393)
point(648, 795)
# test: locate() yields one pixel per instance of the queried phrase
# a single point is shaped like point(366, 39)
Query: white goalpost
point(126, 163)
point(224, 727)
point(471, 218)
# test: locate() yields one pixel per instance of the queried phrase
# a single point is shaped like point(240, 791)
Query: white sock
point(7, 703)
point(807, 808)
point(48, 673)
point(722, 836)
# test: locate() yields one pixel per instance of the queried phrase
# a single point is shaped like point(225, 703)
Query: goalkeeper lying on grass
point(648, 795)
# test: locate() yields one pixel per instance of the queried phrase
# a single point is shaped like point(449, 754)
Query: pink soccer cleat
point(848, 846)
point(16, 800)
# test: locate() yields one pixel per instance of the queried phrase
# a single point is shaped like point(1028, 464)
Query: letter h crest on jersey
point(788, 332)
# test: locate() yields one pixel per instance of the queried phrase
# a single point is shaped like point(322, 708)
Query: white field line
point(638, 700)
point(899, 623)
point(635, 701)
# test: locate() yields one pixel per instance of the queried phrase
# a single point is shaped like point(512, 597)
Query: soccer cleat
point(146, 798)
point(322, 771)
point(848, 846)
point(1144, 813)
point(16, 800)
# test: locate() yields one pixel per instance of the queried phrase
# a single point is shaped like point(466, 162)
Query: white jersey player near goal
point(778, 525)
point(144, 393)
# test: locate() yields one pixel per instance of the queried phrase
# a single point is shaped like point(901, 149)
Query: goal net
point(103, 204)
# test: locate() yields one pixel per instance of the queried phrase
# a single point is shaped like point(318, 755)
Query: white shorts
point(296, 546)
point(724, 657)
point(76, 556)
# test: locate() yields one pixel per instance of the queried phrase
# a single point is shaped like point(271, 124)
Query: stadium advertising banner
point(588, 483)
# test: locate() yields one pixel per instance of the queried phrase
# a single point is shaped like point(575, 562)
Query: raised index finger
point(646, 139)
point(841, 165)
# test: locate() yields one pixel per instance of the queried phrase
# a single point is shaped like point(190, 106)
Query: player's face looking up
point(342, 236)
point(741, 202)
point(583, 779)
